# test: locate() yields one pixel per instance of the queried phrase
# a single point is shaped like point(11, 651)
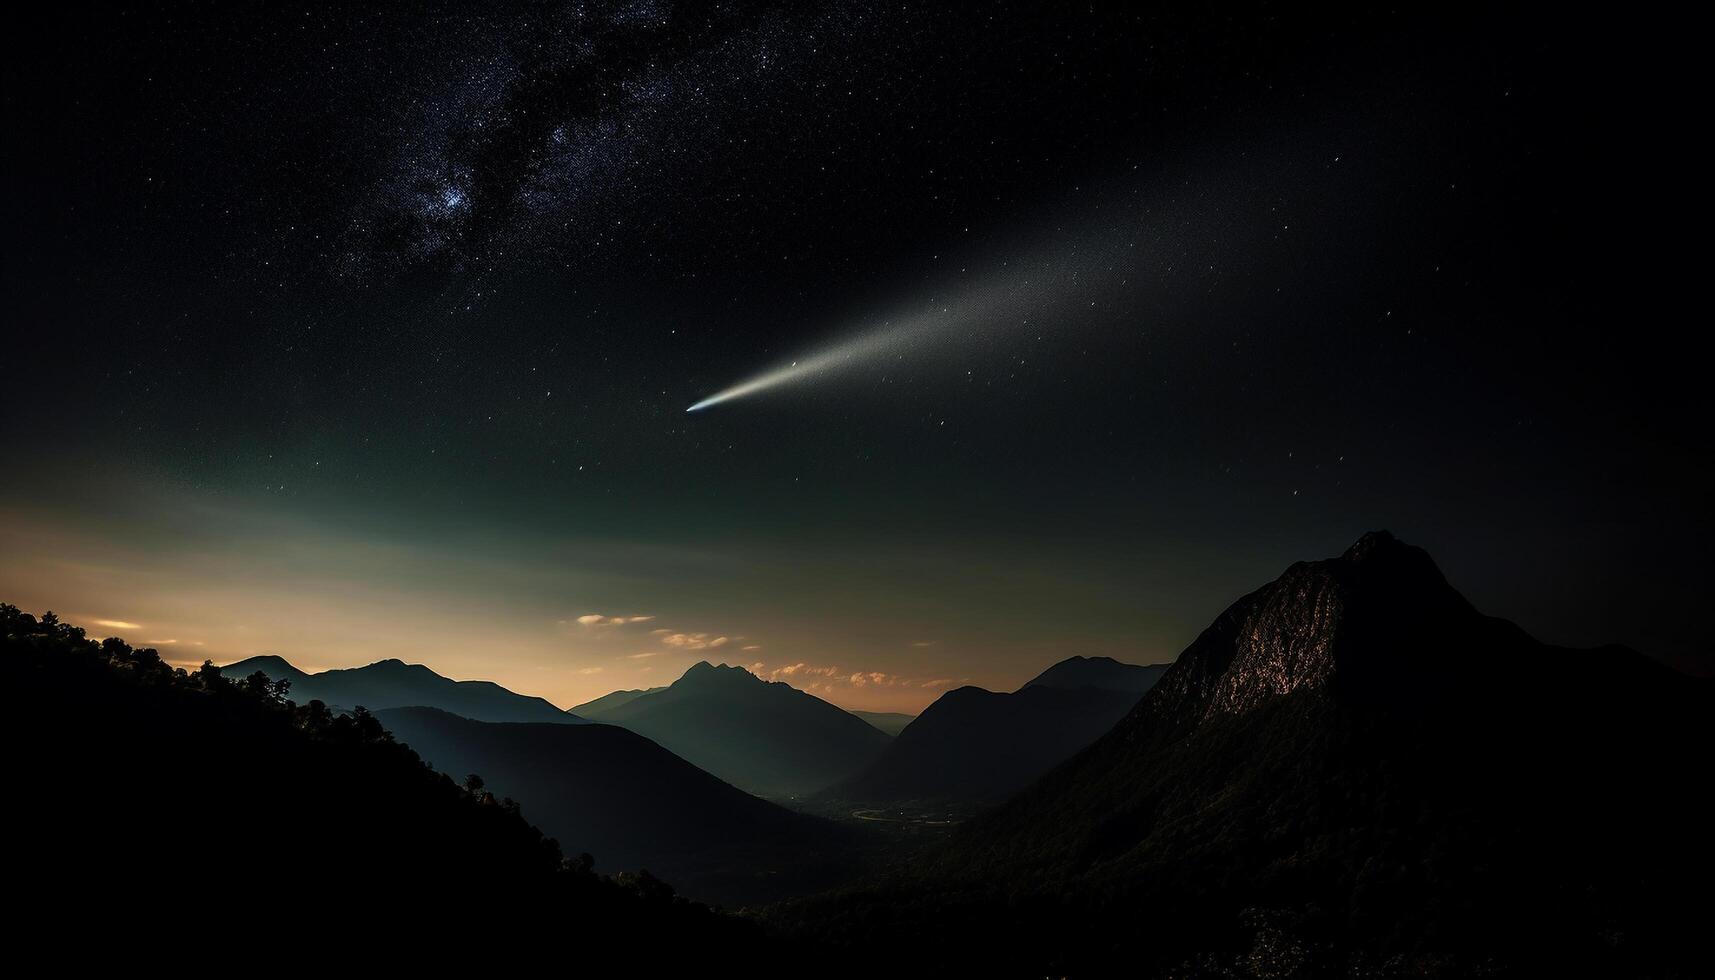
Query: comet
point(887, 339)
point(1057, 277)
point(966, 318)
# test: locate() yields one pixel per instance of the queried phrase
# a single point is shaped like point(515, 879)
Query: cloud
point(644, 655)
point(118, 624)
point(597, 619)
point(923, 643)
point(751, 648)
point(692, 641)
point(800, 669)
point(590, 670)
point(809, 677)
point(164, 643)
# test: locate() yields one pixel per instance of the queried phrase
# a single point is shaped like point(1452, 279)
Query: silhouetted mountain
point(396, 684)
point(1351, 771)
point(891, 722)
point(597, 710)
point(977, 746)
point(1103, 673)
point(142, 790)
point(612, 792)
point(276, 667)
point(764, 737)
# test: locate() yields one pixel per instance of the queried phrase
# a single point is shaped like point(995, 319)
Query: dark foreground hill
point(396, 684)
point(1352, 772)
point(145, 798)
point(977, 746)
point(764, 737)
point(614, 793)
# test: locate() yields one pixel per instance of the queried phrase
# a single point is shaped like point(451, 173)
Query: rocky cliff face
point(1380, 620)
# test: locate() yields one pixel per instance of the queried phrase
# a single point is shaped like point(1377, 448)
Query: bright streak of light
point(886, 340)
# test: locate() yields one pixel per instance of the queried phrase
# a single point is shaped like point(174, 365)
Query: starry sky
point(346, 334)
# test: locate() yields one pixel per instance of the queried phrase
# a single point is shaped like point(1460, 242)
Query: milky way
point(537, 143)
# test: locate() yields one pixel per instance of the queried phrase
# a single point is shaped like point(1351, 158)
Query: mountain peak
point(267, 660)
point(1105, 673)
point(765, 737)
point(1379, 553)
point(395, 667)
point(272, 664)
point(1380, 615)
point(1371, 542)
point(703, 672)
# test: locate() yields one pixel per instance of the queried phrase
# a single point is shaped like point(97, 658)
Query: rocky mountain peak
point(705, 673)
point(1380, 612)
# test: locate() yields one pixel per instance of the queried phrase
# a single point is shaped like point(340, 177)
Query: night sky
point(346, 335)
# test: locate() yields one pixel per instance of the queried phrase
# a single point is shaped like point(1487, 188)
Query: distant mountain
point(598, 709)
point(764, 737)
point(1102, 673)
point(891, 722)
point(977, 746)
point(1351, 767)
point(396, 684)
point(631, 803)
point(277, 668)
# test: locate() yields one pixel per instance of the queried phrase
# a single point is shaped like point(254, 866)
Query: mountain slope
point(617, 795)
point(1353, 767)
point(977, 746)
point(598, 709)
point(764, 737)
point(151, 788)
point(395, 684)
point(891, 722)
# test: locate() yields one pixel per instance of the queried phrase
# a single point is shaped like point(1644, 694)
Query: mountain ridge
point(597, 708)
point(393, 683)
